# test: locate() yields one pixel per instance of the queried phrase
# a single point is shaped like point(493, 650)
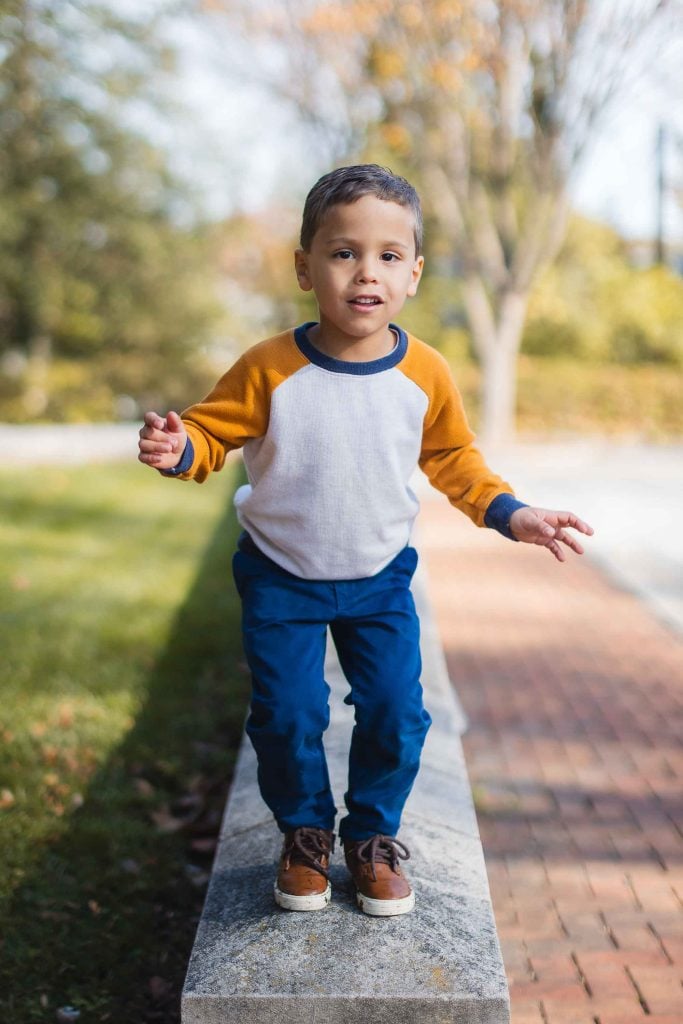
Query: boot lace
point(307, 845)
point(381, 850)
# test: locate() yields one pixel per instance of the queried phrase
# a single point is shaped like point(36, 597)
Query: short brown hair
point(346, 185)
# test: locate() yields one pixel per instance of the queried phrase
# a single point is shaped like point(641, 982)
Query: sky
point(617, 182)
point(243, 147)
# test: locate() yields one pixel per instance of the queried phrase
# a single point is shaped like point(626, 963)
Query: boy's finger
point(174, 423)
point(557, 551)
point(152, 434)
point(569, 519)
point(153, 419)
point(571, 542)
point(154, 446)
point(158, 460)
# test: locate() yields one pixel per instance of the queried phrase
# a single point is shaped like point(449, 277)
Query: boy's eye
point(343, 254)
point(389, 257)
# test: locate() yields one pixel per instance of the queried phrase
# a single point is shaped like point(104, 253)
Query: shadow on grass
point(105, 918)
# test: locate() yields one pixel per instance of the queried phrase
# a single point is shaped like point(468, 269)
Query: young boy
point(333, 418)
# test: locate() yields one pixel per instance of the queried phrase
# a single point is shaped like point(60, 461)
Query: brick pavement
point(573, 691)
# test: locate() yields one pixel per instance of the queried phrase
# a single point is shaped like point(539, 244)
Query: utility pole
point(660, 254)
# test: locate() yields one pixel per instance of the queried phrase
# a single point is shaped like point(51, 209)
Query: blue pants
point(376, 633)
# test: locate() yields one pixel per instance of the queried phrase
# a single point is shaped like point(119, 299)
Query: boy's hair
point(346, 185)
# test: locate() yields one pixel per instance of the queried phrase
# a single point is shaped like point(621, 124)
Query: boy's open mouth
point(365, 301)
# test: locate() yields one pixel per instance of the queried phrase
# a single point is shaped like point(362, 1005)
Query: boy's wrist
point(500, 511)
point(184, 462)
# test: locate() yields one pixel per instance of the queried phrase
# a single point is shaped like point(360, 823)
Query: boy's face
point(362, 266)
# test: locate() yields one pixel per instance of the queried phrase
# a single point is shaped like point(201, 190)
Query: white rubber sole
point(316, 901)
point(385, 908)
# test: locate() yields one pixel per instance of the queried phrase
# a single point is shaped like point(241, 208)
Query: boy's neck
point(340, 346)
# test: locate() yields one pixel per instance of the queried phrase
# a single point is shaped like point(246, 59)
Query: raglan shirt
point(330, 446)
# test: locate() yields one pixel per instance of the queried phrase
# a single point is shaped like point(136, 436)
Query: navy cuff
point(498, 513)
point(184, 464)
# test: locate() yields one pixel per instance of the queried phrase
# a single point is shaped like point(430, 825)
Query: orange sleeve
point(238, 407)
point(449, 457)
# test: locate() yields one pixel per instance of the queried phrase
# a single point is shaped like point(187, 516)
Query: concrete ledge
point(253, 962)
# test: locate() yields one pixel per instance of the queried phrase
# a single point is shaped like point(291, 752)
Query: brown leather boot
point(381, 887)
point(302, 880)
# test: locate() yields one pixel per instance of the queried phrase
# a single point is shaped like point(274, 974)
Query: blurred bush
point(593, 304)
point(562, 396)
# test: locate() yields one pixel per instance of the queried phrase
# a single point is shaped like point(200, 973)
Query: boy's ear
point(301, 268)
point(418, 267)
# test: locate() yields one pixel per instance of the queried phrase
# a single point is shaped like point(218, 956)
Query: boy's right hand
point(162, 441)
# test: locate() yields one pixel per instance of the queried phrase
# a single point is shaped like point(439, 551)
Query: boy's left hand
point(547, 528)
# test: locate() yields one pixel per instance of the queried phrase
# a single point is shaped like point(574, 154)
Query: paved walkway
point(573, 690)
point(632, 495)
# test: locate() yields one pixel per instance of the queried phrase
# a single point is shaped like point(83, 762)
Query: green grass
point(122, 698)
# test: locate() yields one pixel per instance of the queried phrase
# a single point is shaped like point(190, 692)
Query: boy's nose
point(366, 271)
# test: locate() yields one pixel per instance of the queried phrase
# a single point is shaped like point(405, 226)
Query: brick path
point(574, 693)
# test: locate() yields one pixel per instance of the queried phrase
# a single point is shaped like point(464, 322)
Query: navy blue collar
point(341, 365)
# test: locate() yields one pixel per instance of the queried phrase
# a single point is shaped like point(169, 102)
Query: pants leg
point(377, 639)
point(284, 625)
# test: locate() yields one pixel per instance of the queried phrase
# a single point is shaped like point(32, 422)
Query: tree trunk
point(497, 336)
point(498, 395)
point(35, 396)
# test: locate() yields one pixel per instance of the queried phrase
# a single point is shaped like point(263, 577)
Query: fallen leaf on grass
point(207, 845)
point(167, 822)
point(143, 787)
point(159, 987)
point(71, 762)
point(65, 716)
point(181, 814)
point(6, 799)
point(53, 915)
point(49, 753)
